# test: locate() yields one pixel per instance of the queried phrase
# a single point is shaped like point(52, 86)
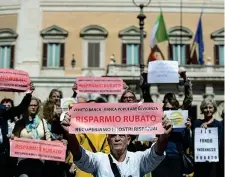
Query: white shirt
point(135, 164)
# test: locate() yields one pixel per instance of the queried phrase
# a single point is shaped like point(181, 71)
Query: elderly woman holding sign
point(31, 126)
point(208, 108)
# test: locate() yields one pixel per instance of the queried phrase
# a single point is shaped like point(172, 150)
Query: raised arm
point(84, 160)
point(23, 106)
point(187, 91)
point(74, 88)
point(145, 88)
point(152, 157)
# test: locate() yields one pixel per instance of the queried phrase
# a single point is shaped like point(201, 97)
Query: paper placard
point(206, 145)
point(38, 149)
point(116, 118)
point(146, 137)
point(100, 85)
point(66, 102)
point(178, 117)
point(12, 80)
point(163, 71)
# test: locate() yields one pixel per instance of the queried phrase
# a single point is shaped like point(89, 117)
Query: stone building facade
point(56, 41)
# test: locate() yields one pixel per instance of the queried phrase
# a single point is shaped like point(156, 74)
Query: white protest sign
point(162, 71)
point(178, 117)
point(66, 102)
point(206, 145)
point(146, 137)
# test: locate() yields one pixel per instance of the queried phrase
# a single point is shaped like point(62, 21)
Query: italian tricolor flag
point(159, 34)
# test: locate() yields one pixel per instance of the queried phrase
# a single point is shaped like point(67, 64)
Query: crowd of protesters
point(86, 154)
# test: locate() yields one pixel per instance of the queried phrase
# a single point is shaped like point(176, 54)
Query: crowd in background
point(35, 119)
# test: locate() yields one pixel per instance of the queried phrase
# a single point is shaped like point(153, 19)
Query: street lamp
point(73, 61)
point(141, 18)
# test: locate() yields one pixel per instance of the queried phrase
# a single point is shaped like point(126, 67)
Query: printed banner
point(162, 71)
point(100, 85)
point(116, 118)
point(206, 145)
point(178, 117)
point(38, 149)
point(14, 80)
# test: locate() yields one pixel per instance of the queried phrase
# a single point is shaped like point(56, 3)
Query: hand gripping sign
point(14, 80)
point(101, 85)
point(38, 149)
point(116, 118)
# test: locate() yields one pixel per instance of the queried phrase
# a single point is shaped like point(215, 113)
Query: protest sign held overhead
point(178, 117)
point(14, 80)
point(38, 149)
point(119, 118)
point(206, 145)
point(100, 85)
point(162, 71)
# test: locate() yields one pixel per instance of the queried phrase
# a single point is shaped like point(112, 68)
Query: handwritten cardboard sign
point(116, 118)
point(38, 149)
point(206, 145)
point(100, 85)
point(14, 80)
point(178, 117)
point(162, 71)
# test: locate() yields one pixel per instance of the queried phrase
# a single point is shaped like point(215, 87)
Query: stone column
point(154, 92)
point(209, 91)
point(28, 45)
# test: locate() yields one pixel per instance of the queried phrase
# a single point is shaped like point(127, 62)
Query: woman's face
point(33, 107)
point(208, 110)
point(55, 96)
point(128, 98)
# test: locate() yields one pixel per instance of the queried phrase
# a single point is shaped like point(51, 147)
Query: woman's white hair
point(205, 102)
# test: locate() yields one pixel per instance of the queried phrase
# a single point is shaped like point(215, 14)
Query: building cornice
point(128, 6)
point(9, 9)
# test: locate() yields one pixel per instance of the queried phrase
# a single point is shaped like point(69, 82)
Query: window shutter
point(187, 53)
point(62, 55)
point(170, 52)
point(216, 54)
point(12, 56)
point(124, 54)
point(45, 55)
point(93, 54)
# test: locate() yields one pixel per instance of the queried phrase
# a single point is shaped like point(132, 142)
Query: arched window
point(130, 45)
point(53, 54)
point(218, 37)
point(7, 49)
point(93, 46)
point(179, 48)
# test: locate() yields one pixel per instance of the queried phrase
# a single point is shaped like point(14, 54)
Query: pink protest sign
point(14, 80)
point(116, 118)
point(38, 149)
point(101, 85)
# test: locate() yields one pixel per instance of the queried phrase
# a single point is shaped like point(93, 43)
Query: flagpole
point(181, 24)
point(193, 43)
